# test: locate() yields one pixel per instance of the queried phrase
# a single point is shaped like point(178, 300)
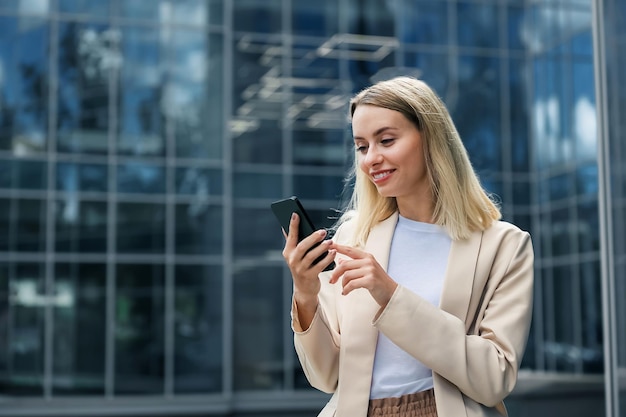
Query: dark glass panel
point(322, 147)
point(583, 110)
point(81, 226)
point(141, 118)
point(139, 329)
point(561, 186)
point(477, 114)
point(588, 227)
point(22, 318)
point(88, 54)
point(563, 228)
point(587, 180)
point(74, 177)
point(257, 185)
point(140, 228)
point(519, 117)
point(256, 232)
point(257, 16)
point(79, 329)
point(370, 17)
point(198, 229)
point(262, 144)
point(521, 193)
point(564, 351)
point(591, 315)
point(198, 361)
point(515, 28)
point(193, 97)
point(318, 187)
point(364, 72)
point(258, 336)
point(23, 84)
point(433, 70)
point(424, 22)
point(23, 174)
point(199, 182)
point(318, 18)
point(23, 224)
point(99, 9)
point(140, 178)
point(479, 25)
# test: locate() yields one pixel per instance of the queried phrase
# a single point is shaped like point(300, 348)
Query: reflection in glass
point(73, 177)
point(140, 178)
point(200, 182)
point(139, 329)
point(260, 145)
point(97, 9)
point(424, 22)
point(323, 146)
point(81, 226)
point(88, 54)
point(79, 328)
point(141, 120)
point(478, 25)
point(198, 360)
point(258, 16)
point(23, 84)
point(140, 228)
point(255, 232)
point(315, 18)
point(198, 228)
point(22, 221)
point(318, 187)
point(258, 336)
point(23, 174)
point(22, 320)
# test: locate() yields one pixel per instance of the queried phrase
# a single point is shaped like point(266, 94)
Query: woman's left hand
point(362, 271)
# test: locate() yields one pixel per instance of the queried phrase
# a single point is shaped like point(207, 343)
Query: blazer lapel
point(359, 336)
point(461, 271)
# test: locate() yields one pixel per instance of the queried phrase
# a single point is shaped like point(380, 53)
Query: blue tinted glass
point(519, 117)
point(256, 232)
point(140, 178)
point(318, 187)
point(521, 193)
point(201, 182)
point(139, 324)
point(589, 229)
point(477, 114)
point(82, 177)
point(257, 16)
point(81, 226)
point(143, 10)
point(140, 228)
point(423, 22)
point(24, 223)
point(198, 363)
point(257, 185)
point(141, 122)
point(478, 25)
point(315, 18)
point(432, 70)
point(370, 17)
point(259, 144)
point(584, 109)
point(561, 186)
point(321, 146)
point(199, 228)
point(20, 174)
point(83, 99)
point(515, 29)
point(100, 8)
point(587, 180)
point(258, 310)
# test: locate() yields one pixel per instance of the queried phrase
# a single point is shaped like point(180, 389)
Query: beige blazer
point(474, 341)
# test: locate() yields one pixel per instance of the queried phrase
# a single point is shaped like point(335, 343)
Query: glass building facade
point(141, 143)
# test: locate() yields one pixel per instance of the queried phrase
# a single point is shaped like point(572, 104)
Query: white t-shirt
point(417, 260)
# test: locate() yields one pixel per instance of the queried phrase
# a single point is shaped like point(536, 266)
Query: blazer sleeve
point(318, 346)
point(483, 364)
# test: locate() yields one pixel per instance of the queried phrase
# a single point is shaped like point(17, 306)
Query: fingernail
point(322, 232)
point(293, 216)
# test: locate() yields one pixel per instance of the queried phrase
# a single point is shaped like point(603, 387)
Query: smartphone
point(284, 208)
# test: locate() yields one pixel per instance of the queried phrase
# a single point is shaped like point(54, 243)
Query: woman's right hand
point(300, 258)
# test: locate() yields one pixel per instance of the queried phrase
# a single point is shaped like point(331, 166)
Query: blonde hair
point(461, 205)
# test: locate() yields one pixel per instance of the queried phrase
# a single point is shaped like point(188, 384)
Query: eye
point(361, 149)
point(387, 141)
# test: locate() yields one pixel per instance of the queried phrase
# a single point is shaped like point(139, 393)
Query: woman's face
point(390, 152)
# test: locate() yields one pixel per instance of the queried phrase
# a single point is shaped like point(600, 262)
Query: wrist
point(305, 301)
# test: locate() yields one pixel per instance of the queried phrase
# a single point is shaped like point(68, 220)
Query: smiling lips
point(380, 176)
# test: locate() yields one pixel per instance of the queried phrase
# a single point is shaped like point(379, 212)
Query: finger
point(292, 234)
point(349, 251)
point(343, 266)
point(351, 281)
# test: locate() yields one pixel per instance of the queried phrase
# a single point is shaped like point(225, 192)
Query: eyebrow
point(378, 132)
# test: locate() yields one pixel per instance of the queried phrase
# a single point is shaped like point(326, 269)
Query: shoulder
point(504, 230)
point(344, 231)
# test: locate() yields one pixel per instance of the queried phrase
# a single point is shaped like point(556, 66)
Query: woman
point(428, 309)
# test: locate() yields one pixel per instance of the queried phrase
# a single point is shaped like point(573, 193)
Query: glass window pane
point(79, 329)
point(423, 22)
point(140, 228)
point(23, 303)
point(139, 329)
point(141, 122)
point(591, 315)
point(370, 17)
point(318, 187)
point(81, 226)
point(258, 16)
point(256, 233)
point(519, 116)
point(479, 26)
point(88, 54)
point(315, 18)
point(23, 222)
point(260, 144)
point(322, 147)
point(432, 70)
point(198, 228)
point(140, 178)
point(23, 84)
point(199, 182)
point(22, 174)
point(193, 94)
point(72, 177)
point(257, 185)
point(259, 333)
point(100, 8)
point(198, 364)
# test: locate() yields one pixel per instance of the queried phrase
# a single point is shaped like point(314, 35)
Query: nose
point(372, 157)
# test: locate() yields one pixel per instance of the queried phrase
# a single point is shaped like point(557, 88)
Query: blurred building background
point(142, 141)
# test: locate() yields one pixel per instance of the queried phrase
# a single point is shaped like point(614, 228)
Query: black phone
point(283, 210)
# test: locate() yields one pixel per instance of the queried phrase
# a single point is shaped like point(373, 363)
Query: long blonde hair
point(461, 204)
